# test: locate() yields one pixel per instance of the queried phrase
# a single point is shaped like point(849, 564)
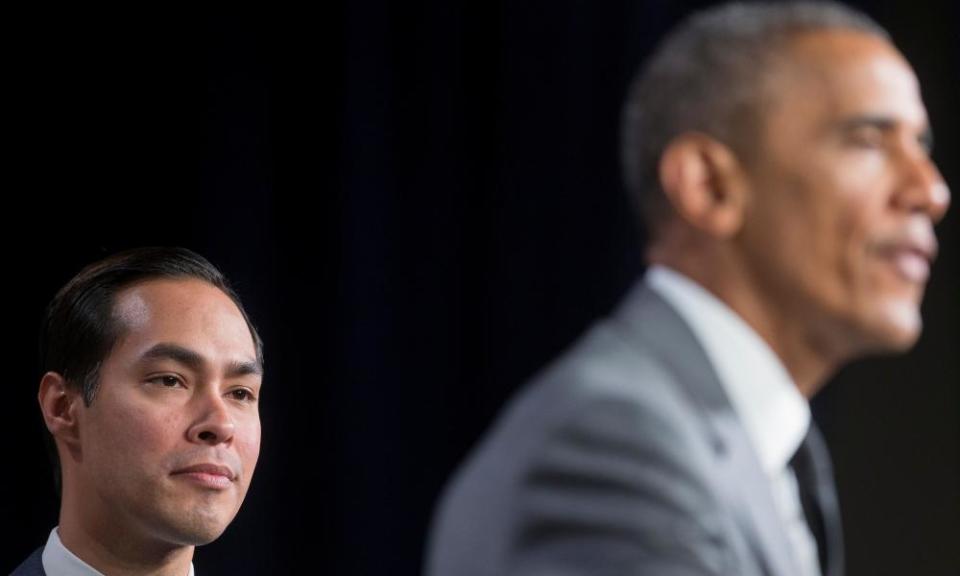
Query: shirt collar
point(58, 561)
point(774, 414)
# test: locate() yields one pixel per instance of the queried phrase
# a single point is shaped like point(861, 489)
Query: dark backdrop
point(420, 205)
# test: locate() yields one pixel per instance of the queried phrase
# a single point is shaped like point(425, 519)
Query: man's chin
point(196, 525)
point(895, 329)
point(193, 534)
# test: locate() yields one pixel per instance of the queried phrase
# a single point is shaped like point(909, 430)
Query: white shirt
point(58, 561)
point(774, 414)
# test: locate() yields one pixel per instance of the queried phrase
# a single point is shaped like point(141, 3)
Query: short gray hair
point(708, 76)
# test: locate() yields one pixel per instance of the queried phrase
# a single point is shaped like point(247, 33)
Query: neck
point(805, 357)
point(112, 547)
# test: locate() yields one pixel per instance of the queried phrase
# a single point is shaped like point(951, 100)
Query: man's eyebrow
point(244, 368)
point(878, 121)
point(886, 124)
point(194, 361)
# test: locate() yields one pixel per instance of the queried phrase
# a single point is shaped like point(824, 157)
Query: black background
point(420, 205)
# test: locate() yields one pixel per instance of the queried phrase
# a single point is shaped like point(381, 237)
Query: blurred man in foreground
point(780, 154)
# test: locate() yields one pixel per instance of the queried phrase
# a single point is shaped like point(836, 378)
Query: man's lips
point(911, 257)
point(212, 469)
point(208, 475)
point(911, 266)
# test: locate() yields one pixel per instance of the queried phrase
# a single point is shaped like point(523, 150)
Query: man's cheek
point(248, 446)
point(142, 434)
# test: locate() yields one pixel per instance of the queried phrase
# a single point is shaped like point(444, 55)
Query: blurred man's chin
point(896, 330)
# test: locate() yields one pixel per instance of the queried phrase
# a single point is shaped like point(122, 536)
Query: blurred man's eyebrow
point(193, 360)
point(885, 124)
point(875, 120)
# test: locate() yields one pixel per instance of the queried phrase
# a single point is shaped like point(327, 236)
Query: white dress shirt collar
point(58, 561)
point(774, 414)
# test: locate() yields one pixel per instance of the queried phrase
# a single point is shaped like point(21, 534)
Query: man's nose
point(214, 423)
point(924, 189)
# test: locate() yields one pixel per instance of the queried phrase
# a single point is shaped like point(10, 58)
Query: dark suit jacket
point(624, 457)
point(32, 566)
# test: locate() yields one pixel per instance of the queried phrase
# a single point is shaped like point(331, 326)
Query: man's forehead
point(145, 300)
point(849, 73)
point(181, 311)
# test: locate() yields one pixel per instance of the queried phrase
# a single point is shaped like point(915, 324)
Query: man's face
point(171, 439)
point(839, 228)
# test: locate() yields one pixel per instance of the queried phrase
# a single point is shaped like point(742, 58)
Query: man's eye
point(167, 381)
point(242, 394)
point(867, 137)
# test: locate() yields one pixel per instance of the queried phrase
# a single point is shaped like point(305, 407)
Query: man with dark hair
point(780, 153)
point(151, 378)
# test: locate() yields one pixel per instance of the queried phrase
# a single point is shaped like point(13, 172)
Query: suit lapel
point(740, 479)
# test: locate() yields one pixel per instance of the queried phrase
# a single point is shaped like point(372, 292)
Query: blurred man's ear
point(703, 181)
point(59, 404)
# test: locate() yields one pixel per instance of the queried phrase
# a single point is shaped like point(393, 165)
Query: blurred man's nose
point(923, 187)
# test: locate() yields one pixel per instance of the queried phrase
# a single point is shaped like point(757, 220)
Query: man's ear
point(59, 404)
point(704, 181)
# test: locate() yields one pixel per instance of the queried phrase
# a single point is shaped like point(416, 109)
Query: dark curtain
point(420, 205)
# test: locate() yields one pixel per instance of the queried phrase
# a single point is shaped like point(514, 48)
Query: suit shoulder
point(604, 372)
point(605, 434)
point(32, 566)
point(604, 389)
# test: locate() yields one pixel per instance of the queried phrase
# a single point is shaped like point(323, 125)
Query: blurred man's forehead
point(844, 58)
point(839, 75)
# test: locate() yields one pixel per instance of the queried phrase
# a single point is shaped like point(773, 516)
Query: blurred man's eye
point(867, 136)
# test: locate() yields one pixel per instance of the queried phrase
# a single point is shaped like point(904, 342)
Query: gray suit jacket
point(624, 457)
point(32, 566)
